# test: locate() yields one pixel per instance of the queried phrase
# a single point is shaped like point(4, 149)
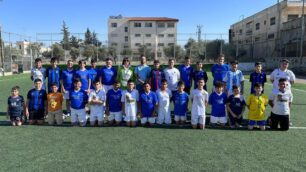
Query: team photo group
point(153, 96)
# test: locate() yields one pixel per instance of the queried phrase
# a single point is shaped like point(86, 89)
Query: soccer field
point(65, 148)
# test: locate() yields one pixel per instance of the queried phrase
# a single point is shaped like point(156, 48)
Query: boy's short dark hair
point(53, 84)
point(198, 62)
point(16, 88)
point(164, 81)
point(257, 84)
point(82, 61)
point(156, 61)
point(69, 61)
point(116, 82)
point(38, 60)
point(145, 83)
point(234, 62)
point(108, 59)
point(200, 79)
point(221, 55)
point(170, 60)
point(54, 59)
point(180, 83)
point(218, 84)
point(187, 58)
point(130, 81)
point(76, 80)
point(93, 61)
point(96, 81)
point(235, 87)
point(37, 80)
point(258, 63)
point(282, 80)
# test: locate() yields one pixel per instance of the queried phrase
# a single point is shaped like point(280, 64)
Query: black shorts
point(16, 118)
point(282, 120)
point(36, 115)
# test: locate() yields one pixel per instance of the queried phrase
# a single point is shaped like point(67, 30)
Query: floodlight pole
point(302, 32)
point(1, 50)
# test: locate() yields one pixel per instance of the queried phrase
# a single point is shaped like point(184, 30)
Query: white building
point(133, 32)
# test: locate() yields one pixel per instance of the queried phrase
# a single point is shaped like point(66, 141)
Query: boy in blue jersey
point(186, 72)
point(180, 99)
point(78, 99)
point(219, 70)
point(15, 107)
point(37, 103)
point(148, 105)
point(114, 105)
point(108, 75)
point(93, 72)
point(235, 107)
point(83, 75)
point(217, 100)
point(258, 77)
point(233, 77)
point(142, 73)
point(53, 74)
point(67, 83)
point(156, 76)
point(198, 74)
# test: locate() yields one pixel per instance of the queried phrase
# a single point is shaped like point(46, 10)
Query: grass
point(48, 148)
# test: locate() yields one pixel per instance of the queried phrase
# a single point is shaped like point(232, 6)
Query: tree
point(65, 42)
point(126, 52)
point(213, 48)
point(35, 48)
point(47, 54)
point(88, 37)
point(95, 40)
point(169, 51)
point(74, 42)
point(146, 52)
point(58, 51)
point(75, 53)
point(102, 53)
point(89, 51)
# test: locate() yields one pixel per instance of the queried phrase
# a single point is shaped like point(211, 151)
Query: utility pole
point(1, 51)
point(199, 32)
point(302, 32)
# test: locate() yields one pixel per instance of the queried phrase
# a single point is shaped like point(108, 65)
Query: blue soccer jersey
point(148, 101)
point(233, 78)
point(198, 75)
point(67, 79)
point(54, 76)
point(180, 103)
point(236, 104)
point(257, 78)
point(94, 75)
point(217, 103)
point(156, 76)
point(15, 105)
point(84, 76)
point(114, 100)
point(78, 99)
point(36, 99)
point(186, 74)
point(219, 71)
point(108, 75)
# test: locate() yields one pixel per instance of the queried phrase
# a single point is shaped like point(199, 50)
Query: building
point(266, 33)
point(132, 33)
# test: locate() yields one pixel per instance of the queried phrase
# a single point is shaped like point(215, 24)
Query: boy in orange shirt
point(55, 101)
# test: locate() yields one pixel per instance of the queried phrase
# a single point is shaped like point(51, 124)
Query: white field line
point(291, 88)
point(298, 128)
point(15, 78)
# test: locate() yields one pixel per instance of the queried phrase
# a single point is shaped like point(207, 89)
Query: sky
point(28, 17)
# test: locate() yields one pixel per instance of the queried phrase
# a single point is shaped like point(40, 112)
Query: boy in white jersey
point(39, 72)
point(172, 75)
point(282, 72)
point(96, 101)
point(199, 99)
point(129, 100)
point(164, 95)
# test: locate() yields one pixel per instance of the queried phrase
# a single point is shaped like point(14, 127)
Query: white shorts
point(163, 118)
point(78, 115)
point(215, 120)
point(130, 118)
point(198, 119)
point(96, 116)
point(151, 120)
point(117, 116)
point(66, 95)
point(107, 87)
point(179, 118)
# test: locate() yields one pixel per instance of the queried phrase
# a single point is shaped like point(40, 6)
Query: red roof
point(152, 19)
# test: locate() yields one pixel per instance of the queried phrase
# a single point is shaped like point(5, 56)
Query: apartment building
point(264, 33)
point(131, 33)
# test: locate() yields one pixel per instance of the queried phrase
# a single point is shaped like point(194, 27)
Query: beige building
point(130, 33)
point(264, 33)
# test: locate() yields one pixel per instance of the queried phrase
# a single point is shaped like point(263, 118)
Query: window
point(148, 35)
point(159, 54)
point(114, 44)
point(257, 26)
point(137, 44)
point(271, 36)
point(148, 25)
point(160, 44)
point(148, 44)
point(160, 35)
point(170, 35)
point(257, 39)
point(170, 44)
point(161, 25)
point(126, 46)
point(292, 17)
point(137, 24)
point(265, 22)
point(113, 24)
point(137, 35)
point(114, 35)
point(20, 47)
point(170, 25)
point(240, 32)
point(126, 38)
point(126, 29)
point(272, 21)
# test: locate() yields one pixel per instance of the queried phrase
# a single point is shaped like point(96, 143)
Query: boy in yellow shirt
point(55, 101)
point(256, 104)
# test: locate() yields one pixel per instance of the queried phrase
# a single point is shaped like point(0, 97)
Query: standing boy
point(15, 107)
point(233, 77)
point(142, 73)
point(38, 72)
point(219, 70)
point(83, 75)
point(108, 75)
point(186, 72)
point(164, 95)
point(198, 74)
point(96, 101)
point(148, 105)
point(113, 104)
point(258, 77)
point(55, 101)
point(93, 72)
point(129, 100)
point(156, 76)
point(180, 99)
point(54, 74)
point(37, 103)
point(67, 83)
point(235, 107)
point(199, 99)
point(172, 75)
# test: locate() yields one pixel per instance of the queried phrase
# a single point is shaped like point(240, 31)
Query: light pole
point(302, 32)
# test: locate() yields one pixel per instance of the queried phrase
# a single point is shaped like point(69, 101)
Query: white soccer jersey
point(164, 101)
point(199, 97)
point(281, 102)
point(130, 100)
point(278, 74)
point(233, 78)
point(173, 77)
point(39, 74)
point(97, 95)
